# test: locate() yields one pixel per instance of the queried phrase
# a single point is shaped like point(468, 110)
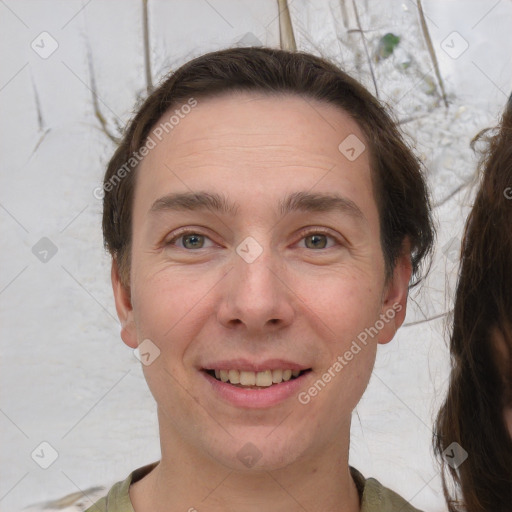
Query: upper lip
point(252, 366)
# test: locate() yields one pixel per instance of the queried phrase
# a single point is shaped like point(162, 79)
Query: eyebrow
point(296, 201)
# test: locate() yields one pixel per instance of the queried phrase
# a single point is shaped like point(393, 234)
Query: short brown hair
point(397, 175)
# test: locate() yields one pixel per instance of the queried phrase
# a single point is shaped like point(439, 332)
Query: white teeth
point(264, 378)
point(247, 378)
point(287, 375)
point(277, 376)
point(261, 379)
point(234, 376)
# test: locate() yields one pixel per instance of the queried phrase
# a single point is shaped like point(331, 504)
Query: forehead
point(251, 120)
point(251, 142)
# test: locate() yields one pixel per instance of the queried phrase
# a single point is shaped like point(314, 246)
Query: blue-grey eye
point(196, 241)
point(318, 241)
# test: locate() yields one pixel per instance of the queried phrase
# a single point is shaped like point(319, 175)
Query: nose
point(256, 295)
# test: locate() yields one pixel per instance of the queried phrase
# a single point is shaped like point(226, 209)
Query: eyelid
point(320, 231)
point(185, 231)
point(303, 234)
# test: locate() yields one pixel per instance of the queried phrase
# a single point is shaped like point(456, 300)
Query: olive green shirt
point(374, 497)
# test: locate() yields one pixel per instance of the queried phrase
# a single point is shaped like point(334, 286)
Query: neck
point(189, 480)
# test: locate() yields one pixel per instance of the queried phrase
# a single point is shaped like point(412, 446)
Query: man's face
point(258, 289)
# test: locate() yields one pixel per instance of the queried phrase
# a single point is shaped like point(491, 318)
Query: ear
point(123, 307)
point(394, 298)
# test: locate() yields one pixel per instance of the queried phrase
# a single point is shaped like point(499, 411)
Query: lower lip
point(256, 398)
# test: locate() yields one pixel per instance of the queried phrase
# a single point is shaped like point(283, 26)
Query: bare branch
point(287, 38)
point(97, 112)
point(363, 37)
point(432, 53)
point(453, 192)
point(409, 119)
point(147, 53)
point(344, 13)
point(435, 317)
point(40, 120)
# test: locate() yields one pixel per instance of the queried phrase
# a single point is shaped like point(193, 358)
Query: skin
point(295, 301)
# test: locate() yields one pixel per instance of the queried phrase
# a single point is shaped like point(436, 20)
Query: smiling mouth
point(255, 380)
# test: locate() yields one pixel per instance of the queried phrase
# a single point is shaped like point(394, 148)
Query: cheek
point(347, 305)
point(346, 310)
point(167, 311)
point(164, 305)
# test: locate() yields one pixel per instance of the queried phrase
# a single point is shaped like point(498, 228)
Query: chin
point(253, 451)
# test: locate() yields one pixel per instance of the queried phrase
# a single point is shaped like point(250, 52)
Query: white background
point(66, 376)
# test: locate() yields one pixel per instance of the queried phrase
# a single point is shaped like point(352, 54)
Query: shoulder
point(118, 497)
point(377, 498)
point(96, 499)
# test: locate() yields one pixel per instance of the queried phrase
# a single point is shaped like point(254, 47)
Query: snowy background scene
point(70, 77)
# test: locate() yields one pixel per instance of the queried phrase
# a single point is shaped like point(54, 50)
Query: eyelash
point(304, 234)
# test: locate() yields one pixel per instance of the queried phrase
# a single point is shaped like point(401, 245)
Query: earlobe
point(124, 307)
point(394, 303)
